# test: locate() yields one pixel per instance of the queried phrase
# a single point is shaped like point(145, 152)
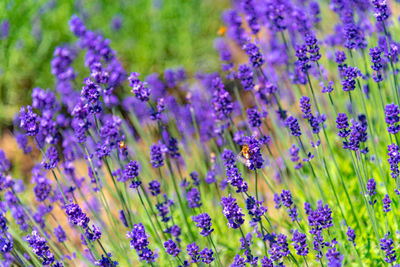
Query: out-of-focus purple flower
point(193, 198)
point(116, 22)
point(312, 47)
point(382, 10)
point(223, 49)
point(328, 88)
point(254, 117)
point(351, 236)
point(245, 74)
point(156, 156)
point(221, 100)
point(371, 190)
point(4, 29)
point(29, 121)
point(277, 200)
point(139, 89)
point(254, 53)
point(22, 142)
point(60, 234)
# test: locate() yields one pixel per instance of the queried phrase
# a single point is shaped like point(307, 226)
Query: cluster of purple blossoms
point(205, 255)
point(154, 187)
point(303, 61)
point(255, 56)
point(139, 88)
point(40, 248)
point(371, 190)
point(300, 243)
point(386, 204)
point(203, 221)
point(312, 47)
point(235, 30)
point(293, 125)
point(254, 117)
point(221, 100)
point(29, 121)
point(316, 122)
point(172, 248)
point(357, 135)
point(350, 74)
point(234, 177)
point(394, 159)
point(193, 198)
point(280, 248)
point(387, 247)
point(156, 156)
point(294, 156)
point(392, 118)
point(131, 173)
point(245, 75)
point(287, 201)
point(255, 209)
point(255, 159)
point(351, 236)
point(232, 212)
point(139, 242)
point(382, 11)
point(377, 66)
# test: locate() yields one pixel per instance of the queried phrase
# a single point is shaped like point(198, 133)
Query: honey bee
point(244, 155)
point(221, 31)
point(121, 145)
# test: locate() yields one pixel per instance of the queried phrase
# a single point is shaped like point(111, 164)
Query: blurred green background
point(154, 35)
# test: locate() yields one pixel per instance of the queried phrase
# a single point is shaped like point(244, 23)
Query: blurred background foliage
point(153, 35)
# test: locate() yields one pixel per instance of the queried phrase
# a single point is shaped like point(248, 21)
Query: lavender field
point(287, 155)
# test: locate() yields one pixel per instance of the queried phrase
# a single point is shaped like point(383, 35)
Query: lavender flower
point(172, 248)
point(139, 242)
point(139, 89)
point(221, 100)
point(156, 156)
point(255, 56)
point(386, 204)
point(394, 159)
point(154, 187)
point(254, 117)
point(40, 248)
point(29, 121)
point(392, 118)
point(387, 247)
point(193, 252)
point(351, 236)
point(193, 198)
point(300, 243)
point(232, 212)
point(245, 75)
point(293, 125)
point(371, 190)
point(203, 221)
point(207, 256)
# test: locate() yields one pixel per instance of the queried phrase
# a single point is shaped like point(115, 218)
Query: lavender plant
point(287, 158)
